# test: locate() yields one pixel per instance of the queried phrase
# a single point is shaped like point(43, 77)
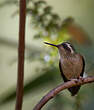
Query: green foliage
point(49, 25)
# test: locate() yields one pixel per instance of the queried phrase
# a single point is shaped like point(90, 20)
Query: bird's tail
point(74, 90)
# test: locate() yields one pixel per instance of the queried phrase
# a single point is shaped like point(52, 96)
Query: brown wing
point(83, 67)
point(63, 76)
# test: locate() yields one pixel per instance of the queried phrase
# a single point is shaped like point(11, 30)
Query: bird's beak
point(51, 44)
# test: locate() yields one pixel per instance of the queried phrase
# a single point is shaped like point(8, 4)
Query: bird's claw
point(76, 80)
point(81, 78)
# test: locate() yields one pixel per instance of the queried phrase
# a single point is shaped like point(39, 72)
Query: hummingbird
point(71, 64)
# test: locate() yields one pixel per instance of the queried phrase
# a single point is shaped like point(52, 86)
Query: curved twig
point(61, 87)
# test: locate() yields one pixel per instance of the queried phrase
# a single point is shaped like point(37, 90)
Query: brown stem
point(61, 87)
point(21, 48)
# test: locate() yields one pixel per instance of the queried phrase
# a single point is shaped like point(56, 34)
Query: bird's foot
point(81, 78)
point(76, 80)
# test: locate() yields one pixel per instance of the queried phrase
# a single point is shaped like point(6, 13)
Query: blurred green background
point(47, 20)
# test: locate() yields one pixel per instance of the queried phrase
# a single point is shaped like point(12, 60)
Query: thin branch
point(21, 48)
point(61, 87)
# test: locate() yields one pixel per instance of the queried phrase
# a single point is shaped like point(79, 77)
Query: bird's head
point(63, 47)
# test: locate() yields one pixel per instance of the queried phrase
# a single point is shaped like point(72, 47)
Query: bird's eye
point(65, 46)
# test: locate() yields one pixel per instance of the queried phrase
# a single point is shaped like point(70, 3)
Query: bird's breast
point(71, 66)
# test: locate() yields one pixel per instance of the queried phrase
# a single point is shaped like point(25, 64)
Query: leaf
point(55, 17)
point(39, 3)
point(48, 9)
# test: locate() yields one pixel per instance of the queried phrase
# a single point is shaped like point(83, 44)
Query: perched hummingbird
point(71, 64)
